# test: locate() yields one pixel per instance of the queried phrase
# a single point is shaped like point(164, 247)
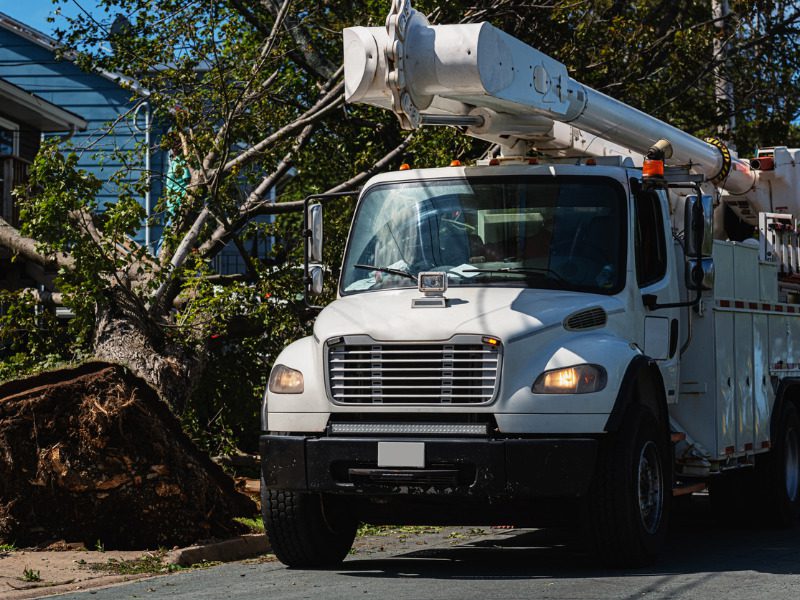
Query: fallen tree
point(91, 454)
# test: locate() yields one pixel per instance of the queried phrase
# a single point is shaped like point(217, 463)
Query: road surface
point(704, 559)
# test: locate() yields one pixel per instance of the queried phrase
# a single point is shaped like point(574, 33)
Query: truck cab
point(473, 398)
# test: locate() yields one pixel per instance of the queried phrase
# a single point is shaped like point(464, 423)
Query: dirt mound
point(91, 454)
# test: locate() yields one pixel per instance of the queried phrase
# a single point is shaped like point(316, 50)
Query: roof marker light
point(405, 167)
point(653, 168)
point(455, 163)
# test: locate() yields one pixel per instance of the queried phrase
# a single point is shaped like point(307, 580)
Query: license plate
point(401, 454)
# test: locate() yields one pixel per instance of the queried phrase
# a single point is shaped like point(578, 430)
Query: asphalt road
point(704, 559)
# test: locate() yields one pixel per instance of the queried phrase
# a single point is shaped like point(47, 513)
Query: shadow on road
point(698, 544)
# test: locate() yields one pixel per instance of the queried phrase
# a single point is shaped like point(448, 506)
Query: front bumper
point(514, 468)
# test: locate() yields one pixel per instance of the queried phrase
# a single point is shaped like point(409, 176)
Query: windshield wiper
point(389, 270)
point(520, 271)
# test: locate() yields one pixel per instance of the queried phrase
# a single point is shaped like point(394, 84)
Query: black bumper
point(517, 468)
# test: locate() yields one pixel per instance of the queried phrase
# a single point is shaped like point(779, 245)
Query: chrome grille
point(381, 373)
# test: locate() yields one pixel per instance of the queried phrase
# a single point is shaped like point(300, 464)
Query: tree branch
point(11, 238)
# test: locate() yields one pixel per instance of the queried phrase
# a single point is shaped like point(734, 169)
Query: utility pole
point(723, 86)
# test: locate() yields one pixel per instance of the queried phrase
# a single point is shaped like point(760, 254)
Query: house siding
point(95, 98)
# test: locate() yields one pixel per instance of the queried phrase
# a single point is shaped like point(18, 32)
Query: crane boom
point(505, 91)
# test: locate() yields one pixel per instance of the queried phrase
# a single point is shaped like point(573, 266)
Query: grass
point(151, 563)
point(254, 525)
point(30, 575)
point(7, 547)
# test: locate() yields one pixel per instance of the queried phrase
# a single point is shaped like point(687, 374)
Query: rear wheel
point(779, 472)
point(630, 498)
point(307, 530)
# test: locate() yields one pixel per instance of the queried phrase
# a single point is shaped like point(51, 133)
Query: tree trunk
point(126, 336)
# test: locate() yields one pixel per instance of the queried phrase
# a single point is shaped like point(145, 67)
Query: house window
point(9, 138)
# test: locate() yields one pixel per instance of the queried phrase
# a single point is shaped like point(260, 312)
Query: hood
point(506, 313)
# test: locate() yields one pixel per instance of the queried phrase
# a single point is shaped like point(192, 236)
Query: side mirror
point(700, 275)
point(698, 226)
point(315, 277)
point(315, 233)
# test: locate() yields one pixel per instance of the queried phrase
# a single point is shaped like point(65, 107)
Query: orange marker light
point(490, 340)
point(591, 162)
point(653, 168)
point(455, 163)
point(405, 167)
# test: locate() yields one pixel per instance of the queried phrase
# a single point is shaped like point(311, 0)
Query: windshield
point(542, 232)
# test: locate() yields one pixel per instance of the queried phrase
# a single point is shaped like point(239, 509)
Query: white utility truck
point(602, 316)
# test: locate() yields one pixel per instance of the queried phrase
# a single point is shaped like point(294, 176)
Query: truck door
point(657, 274)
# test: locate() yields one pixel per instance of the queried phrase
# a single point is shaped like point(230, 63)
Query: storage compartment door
point(743, 345)
point(726, 382)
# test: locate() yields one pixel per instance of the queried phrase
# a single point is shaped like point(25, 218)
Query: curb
point(238, 548)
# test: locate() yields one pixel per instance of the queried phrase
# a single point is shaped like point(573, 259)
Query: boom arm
point(505, 91)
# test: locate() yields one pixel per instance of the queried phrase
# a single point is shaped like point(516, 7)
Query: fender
point(630, 391)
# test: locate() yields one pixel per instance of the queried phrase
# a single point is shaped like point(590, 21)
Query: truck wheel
point(779, 473)
point(630, 499)
point(306, 530)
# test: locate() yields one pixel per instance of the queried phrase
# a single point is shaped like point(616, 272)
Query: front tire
point(307, 530)
point(630, 498)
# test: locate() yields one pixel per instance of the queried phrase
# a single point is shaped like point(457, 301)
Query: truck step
point(688, 489)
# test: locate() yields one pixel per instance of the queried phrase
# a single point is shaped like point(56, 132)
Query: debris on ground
point(92, 455)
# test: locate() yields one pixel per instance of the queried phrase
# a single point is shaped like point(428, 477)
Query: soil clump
point(91, 454)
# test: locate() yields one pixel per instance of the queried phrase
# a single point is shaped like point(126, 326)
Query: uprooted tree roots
point(91, 454)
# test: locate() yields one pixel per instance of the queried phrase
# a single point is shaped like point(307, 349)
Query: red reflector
point(765, 444)
point(748, 446)
point(738, 304)
point(724, 303)
point(653, 168)
point(730, 449)
point(494, 162)
point(533, 161)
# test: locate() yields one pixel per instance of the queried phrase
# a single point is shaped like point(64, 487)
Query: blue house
point(95, 101)
point(98, 100)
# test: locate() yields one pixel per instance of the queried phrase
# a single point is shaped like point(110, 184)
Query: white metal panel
point(696, 407)
point(778, 334)
point(768, 282)
point(745, 269)
point(743, 354)
point(726, 381)
point(656, 337)
point(793, 340)
point(723, 269)
point(763, 396)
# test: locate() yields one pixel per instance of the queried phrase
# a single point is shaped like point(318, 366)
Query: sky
point(34, 12)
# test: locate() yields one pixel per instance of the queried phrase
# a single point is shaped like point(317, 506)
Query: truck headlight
point(283, 380)
point(580, 379)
